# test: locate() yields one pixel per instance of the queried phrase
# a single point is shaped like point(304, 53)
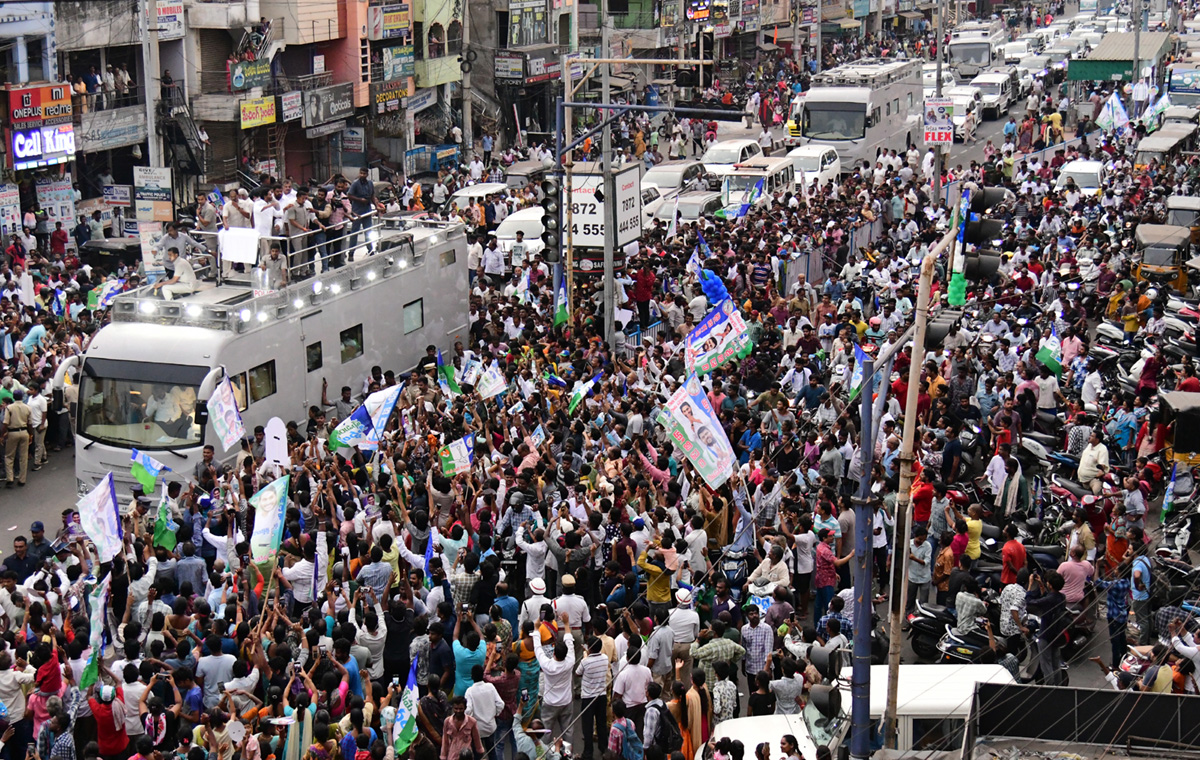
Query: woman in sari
point(1025, 136)
point(531, 672)
point(684, 716)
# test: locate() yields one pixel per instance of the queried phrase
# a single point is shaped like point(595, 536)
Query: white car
point(527, 221)
point(1088, 176)
point(929, 79)
point(818, 164)
point(691, 206)
point(673, 177)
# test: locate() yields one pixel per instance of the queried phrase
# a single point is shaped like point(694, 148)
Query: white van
point(777, 175)
point(720, 159)
point(528, 221)
point(1015, 51)
point(932, 707)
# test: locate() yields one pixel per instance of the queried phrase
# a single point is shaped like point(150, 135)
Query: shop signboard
point(509, 65)
point(862, 8)
point(327, 104)
point(325, 129)
point(422, 100)
point(387, 22)
point(588, 215)
point(152, 260)
point(258, 112)
point(92, 205)
point(697, 10)
point(387, 96)
point(244, 75)
point(41, 146)
point(353, 140)
point(152, 194)
point(750, 14)
point(57, 198)
point(39, 105)
point(170, 20)
point(291, 105)
point(398, 62)
point(118, 195)
point(541, 70)
point(113, 128)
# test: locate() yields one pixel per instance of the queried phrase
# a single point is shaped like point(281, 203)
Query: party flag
point(561, 308)
point(404, 730)
point(146, 469)
point(446, 377)
point(164, 526)
point(457, 456)
point(100, 517)
point(582, 390)
point(269, 505)
point(97, 601)
point(1169, 499)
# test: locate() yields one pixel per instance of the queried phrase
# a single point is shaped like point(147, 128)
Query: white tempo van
point(933, 704)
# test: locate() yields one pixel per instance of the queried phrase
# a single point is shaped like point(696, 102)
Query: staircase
point(182, 136)
point(275, 140)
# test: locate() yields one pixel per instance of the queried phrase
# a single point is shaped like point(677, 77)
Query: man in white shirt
point(183, 282)
point(299, 578)
point(557, 702)
point(684, 623)
point(484, 705)
point(476, 169)
point(1093, 463)
point(37, 418)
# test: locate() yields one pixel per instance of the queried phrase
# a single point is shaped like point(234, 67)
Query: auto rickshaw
point(1181, 414)
point(1163, 249)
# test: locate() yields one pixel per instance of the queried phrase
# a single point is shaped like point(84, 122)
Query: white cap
point(537, 586)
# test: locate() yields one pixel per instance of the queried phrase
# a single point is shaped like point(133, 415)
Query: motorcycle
point(927, 624)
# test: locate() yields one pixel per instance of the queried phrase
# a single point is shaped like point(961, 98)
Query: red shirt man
point(1012, 556)
point(922, 498)
point(58, 240)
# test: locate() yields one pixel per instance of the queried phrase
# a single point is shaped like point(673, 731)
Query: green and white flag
point(561, 309)
point(582, 391)
point(1050, 353)
point(145, 470)
point(404, 730)
point(457, 456)
point(96, 603)
point(164, 526)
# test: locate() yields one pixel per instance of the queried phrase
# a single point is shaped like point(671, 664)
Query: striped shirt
point(593, 670)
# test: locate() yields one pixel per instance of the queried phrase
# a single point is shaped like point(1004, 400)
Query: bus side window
point(238, 383)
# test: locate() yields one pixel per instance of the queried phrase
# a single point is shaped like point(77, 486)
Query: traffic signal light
point(938, 327)
point(552, 220)
point(981, 266)
point(979, 229)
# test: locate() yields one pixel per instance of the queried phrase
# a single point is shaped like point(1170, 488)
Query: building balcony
point(306, 22)
point(436, 71)
point(222, 14)
point(636, 20)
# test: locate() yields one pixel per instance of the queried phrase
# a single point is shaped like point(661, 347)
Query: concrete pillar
point(21, 59)
point(50, 58)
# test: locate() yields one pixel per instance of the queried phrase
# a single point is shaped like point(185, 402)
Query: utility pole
point(937, 167)
point(1136, 76)
point(568, 161)
point(820, 17)
point(610, 200)
point(899, 582)
point(864, 521)
point(153, 74)
point(468, 124)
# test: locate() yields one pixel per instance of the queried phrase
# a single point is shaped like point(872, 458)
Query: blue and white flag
point(673, 227)
point(1169, 498)
point(720, 337)
point(856, 377)
point(100, 516)
point(364, 427)
point(1113, 116)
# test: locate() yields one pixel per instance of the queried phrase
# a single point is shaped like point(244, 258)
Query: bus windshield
point(978, 53)
point(835, 121)
point(133, 404)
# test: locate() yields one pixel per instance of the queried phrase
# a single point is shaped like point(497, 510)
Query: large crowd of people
point(571, 590)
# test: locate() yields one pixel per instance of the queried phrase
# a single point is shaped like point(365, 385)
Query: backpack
point(631, 744)
point(668, 737)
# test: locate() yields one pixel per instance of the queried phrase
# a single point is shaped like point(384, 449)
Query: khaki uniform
point(16, 419)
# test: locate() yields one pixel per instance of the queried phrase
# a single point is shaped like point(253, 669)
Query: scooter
point(927, 624)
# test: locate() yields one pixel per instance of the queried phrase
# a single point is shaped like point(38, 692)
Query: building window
point(502, 27)
point(414, 316)
point(437, 41)
point(454, 38)
point(418, 41)
point(313, 356)
point(262, 381)
point(351, 341)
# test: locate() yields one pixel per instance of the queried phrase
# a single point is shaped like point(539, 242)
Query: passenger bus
point(858, 108)
point(976, 46)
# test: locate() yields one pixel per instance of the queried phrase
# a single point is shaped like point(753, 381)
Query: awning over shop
point(911, 14)
point(768, 47)
point(850, 23)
